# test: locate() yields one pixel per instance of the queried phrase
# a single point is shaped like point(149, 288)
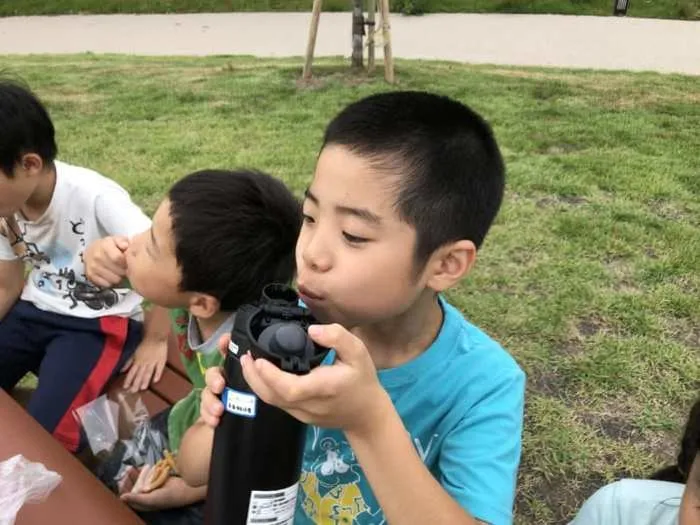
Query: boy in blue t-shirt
point(418, 418)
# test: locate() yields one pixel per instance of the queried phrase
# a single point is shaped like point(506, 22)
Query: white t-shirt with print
point(85, 207)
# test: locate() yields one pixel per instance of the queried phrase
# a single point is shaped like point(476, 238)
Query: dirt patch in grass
point(611, 425)
point(547, 382)
point(558, 200)
point(561, 496)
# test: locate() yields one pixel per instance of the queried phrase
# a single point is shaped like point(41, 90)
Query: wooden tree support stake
point(371, 11)
point(386, 36)
point(311, 44)
point(358, 30)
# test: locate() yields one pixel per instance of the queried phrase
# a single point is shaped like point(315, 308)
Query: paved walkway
point(537, 40)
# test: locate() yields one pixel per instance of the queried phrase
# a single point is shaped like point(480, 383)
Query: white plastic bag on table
point(22, 481)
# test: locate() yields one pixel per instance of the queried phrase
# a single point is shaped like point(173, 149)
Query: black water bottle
point(258, 448)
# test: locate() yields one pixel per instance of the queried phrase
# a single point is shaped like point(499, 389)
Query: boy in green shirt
point(216, 240)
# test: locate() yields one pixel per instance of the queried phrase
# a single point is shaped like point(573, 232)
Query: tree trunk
point(358, 30)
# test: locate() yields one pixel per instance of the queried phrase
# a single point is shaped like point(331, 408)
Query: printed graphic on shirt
point(77, 292)
point(333, 490)
point(27, 251)
point(55, 271)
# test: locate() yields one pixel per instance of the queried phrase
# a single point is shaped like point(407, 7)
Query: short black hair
point(25, 126)
point(450, 173)
point(234, 232)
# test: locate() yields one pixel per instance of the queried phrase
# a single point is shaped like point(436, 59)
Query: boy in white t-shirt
point(73, 334)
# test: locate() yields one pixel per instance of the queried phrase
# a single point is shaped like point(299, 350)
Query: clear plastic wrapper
point(21, 482)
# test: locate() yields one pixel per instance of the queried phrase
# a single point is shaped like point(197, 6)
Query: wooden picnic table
point(80, 498)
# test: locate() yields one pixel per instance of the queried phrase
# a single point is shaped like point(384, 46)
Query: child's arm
point(120, 219)
point(148, 362)
point(405, 489)
point(347, 395)
point(478, 457)
point(195, 454)
point(11, 284)
point(105, 265)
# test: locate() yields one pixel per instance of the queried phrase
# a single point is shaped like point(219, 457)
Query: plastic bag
point(99, 420)
point(22, 481)
point(121, 435)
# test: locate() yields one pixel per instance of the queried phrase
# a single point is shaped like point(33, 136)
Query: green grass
point(589, 276)
point(688, 9)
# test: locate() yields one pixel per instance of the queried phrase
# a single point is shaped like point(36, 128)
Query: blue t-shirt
point(462, 403)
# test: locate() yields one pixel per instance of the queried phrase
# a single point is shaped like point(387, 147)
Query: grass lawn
point(687, 9)
point(589, 276)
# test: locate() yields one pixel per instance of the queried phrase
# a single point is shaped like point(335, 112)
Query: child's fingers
point(131, 376)
point(146, 375)
point(320, 384)
point(142, 376)
point(160, 367)
point(143, 475)
point(114, 269)
point(209, 420)
point(224, 341)
point(126, 484)
point(121, 242)
point(283, 389)
point(104, 278)
point(214, 379)
point(211, 408)
point(136, 501)
point(128, 367)
point(114, 259)
point(136, 378)
point(348, 347)
point(256, 383)
point(116, 246)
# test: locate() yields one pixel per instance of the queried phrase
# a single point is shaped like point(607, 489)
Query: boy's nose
point(316, 258)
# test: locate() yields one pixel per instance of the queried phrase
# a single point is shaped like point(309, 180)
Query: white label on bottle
point(240, 403)
point(272, 507)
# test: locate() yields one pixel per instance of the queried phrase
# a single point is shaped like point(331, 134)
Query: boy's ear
point(449, 264)
point(203, 305)
point(31, 163)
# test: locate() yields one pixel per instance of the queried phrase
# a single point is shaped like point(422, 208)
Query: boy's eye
point(308, 218)
point(354, 239)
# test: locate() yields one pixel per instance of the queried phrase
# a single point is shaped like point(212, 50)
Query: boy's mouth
point(308, 295)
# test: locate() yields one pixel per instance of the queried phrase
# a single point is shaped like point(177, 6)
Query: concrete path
point(531, 40)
